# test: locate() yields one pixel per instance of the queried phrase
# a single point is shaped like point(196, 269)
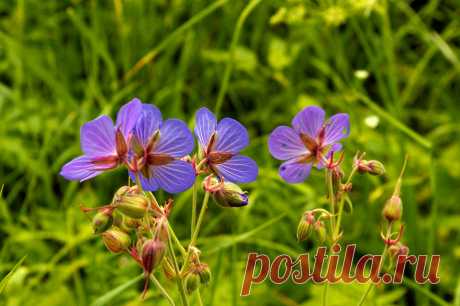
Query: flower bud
point(133, 205)
point(192, 281)
point(116, 240)
point(168, 269)
point(153, 252)
point(392, 211)
point(226, 194)
point(320, 232)
point(373, 167)
point(305, 226)
point(131, 223)
point(397, 250)
point(103, 220)
point(204, 273)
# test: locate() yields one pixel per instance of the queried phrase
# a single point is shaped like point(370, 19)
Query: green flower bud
point(116, 240)
point(192, 281)
point(305, 226)
point(226, 194)
point(168, 269)
point(320, 232)
point(204, 273)
point(103, 220)
point(153, 252)
point(373, 167)
point(131, 223)
point(133, 205)
point(392, 211)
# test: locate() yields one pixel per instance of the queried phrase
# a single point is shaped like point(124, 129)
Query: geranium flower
point(157, 147)
point(220, 144)
point(104, 145)
point(310, 141)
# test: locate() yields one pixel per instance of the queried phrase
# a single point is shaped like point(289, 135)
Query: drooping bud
point(373, 167)
point(392, 211)
point(153, 252)
point(192, 281)
point(204, 273)
point(116, 240)
point(320, 232)
point(168, 269)
point(226, 194)
point(132, 205)
point(305, 226)
point(397, 250)
point(103, 220)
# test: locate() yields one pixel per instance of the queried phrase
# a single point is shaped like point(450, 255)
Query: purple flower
point(220, 144)
point(157, 147)
point(311, 140)
point(104, 145)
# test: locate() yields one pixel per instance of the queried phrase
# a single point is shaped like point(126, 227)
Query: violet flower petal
point(238, 169)
point(232, 136)
point(98, 137)
point(309, 121)
point(82, 168)
point(176, 140)
point(149, 122)
point(128, 115)
point(174, 177)
point(205, 125)
point(337, 128)
point(148, 184)
point(294, 172)
point(284, 144)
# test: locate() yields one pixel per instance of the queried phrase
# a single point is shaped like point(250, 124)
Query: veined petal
point(148, 184)
point(98, 137)
point(176, 176)
point(231, 135)
point(128, 115)
point(293, 171)
point(309, 121)
point(83, 168)
point(337, 128)
point(147, 124)
point(205, 126)
point(284, 143)
point(238, 169)
point(175, 140)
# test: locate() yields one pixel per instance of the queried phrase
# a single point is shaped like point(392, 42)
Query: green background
point(392, 65)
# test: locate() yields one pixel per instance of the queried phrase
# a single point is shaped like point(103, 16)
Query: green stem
point(177, 241)
point(326, 285)
point(331, 199)
point(229, 67)
point(162, 290)
point(339, 217)
point(180, 283)
point(198, 295)
point(194, 192)
point(383, 256)
point(197, 229)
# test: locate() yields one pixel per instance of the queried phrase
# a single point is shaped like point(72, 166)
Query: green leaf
point(7, 277)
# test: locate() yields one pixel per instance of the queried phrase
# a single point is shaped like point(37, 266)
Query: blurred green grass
point(393, 65)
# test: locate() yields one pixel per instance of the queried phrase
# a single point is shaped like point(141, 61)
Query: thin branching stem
point(162, 290)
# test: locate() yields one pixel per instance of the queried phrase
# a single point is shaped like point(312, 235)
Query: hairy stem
point(162, 290)
point(180, 283)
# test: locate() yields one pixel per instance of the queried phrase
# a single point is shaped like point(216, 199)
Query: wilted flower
point(220, 144)
point(157, 147)
point(104, 145)
point(152, 254)
point(310, 141)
